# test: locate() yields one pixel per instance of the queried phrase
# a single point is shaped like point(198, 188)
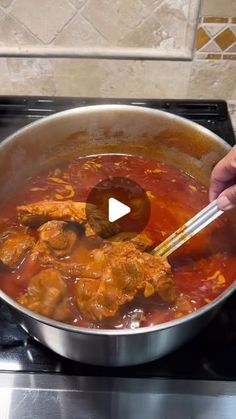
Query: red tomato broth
point(203, 268)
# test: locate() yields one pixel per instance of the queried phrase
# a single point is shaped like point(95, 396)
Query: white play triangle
point(117, 210)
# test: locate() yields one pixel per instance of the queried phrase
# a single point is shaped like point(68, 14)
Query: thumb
point(227, 199)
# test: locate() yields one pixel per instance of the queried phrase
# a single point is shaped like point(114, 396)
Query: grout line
point(25, 28)
point(65, 26)
point(92, 26)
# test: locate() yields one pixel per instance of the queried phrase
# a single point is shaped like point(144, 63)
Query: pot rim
point(119, 332)
point(115, 107)
point(116, 332)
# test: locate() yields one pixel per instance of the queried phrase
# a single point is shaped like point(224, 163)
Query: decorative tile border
point(216, 38)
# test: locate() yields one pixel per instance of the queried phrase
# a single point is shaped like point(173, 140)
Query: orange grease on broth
point(174, 196)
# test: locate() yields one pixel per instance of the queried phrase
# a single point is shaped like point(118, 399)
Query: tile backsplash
point(99, 28)
point(153, 48)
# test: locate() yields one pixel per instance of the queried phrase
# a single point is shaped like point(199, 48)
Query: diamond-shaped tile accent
point(202, 38)
point(225, 39)
point(44, 18)
point(211, 47)
point(214, 28)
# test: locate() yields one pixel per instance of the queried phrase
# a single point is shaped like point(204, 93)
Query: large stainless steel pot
point(113, 129)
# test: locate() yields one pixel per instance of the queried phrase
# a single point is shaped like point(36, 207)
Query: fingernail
point(224, 203)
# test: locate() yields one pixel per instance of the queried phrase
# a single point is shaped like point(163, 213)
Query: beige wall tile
point(15, 33)
point(77, 77)
point(86, 36)
point(5, 79)
point(5, 3)
point(115, 18)
point(234, 91)
point(212, 79)
point(166, 79)
point(141, 25)
point(43, 18)
point(218, 8)
point(163, 27)
point(122, 78)
point(31, 76)
point(148, 34)
point(98, 77)
point(118, 78)
point(173, 15)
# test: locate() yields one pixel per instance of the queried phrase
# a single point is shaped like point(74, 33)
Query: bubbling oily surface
point(202, 268)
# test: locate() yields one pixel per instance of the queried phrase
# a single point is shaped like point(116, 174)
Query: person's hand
point(223, 181)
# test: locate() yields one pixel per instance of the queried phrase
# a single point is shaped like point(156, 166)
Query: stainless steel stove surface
point(196, 381)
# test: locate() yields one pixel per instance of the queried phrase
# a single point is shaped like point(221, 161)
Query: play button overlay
point(124, 206)
point(117, 210)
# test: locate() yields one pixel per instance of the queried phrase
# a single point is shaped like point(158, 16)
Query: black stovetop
point(211, 355)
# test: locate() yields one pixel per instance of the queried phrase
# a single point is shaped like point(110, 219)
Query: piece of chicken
point(125, 273)
point(46, 295)
point(40, 212)
point(14, 243)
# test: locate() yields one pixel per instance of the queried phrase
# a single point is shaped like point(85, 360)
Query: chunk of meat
point(14, 243)
point(60, 237)
point(93, 269)
point(40, 212)
point(56, 241)
point(141, 241)
point(46, 295)
point(125, 273)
